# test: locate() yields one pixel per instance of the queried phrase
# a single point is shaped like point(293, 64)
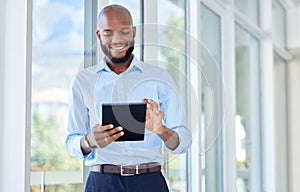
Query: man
point(130, 166)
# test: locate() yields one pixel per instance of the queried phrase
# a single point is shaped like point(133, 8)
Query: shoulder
point(160, 75)
point(85, 75)
point(154, 70)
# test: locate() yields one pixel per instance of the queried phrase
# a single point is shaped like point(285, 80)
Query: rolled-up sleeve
point(185, 140)
point(78, 122)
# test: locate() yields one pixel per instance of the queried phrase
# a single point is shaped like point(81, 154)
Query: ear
point(134, 31)
point(98, 34)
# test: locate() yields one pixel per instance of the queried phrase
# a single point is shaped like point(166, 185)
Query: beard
point(118, 60)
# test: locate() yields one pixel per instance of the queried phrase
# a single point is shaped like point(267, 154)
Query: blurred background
point(236, 64)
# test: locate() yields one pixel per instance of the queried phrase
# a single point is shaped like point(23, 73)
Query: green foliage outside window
point(48, 153)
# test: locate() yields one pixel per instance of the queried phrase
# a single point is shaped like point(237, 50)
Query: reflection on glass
point(247, 124)
point(278, 24)
point(57, 56)
point(171, 55)
point(211, 116)
point(281, 124)
point(250, 9)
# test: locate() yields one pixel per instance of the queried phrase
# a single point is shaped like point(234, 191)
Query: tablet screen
point(131, 116)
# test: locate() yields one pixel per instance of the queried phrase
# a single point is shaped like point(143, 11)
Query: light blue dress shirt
point(96, 85)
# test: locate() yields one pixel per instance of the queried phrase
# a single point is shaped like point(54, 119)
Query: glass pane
point(250, 9)
point(171, 55)
point(211, 116)
point(57, 55)
point(281, 125)
point(134, 6)
point(222, 1)
point(278, 24)
point(247, 112)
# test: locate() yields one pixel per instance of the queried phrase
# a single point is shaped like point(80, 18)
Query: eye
point(107, 33)
point(125, 31)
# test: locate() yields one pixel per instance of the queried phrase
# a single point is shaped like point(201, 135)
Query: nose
point(116, 38)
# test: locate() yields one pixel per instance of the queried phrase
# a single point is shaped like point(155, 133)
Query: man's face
point(116, 35)
point(108, 51)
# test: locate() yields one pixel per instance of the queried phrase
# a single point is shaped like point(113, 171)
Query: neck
point(119, 68)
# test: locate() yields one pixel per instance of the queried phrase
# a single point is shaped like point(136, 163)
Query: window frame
point(15, 89)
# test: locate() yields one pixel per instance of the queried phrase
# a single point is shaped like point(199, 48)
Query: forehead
point(114, 19)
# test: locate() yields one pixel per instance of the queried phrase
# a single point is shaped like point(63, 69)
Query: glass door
point(212, 105)
point(58, 47)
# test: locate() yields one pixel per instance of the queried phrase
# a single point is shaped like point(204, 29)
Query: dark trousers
point(105, 182)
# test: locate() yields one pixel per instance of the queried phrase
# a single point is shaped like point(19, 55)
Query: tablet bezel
point(131, 116)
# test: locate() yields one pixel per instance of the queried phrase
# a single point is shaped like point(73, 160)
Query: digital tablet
point(131, 116)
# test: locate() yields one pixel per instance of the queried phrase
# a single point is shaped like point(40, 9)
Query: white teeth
point(117, 47)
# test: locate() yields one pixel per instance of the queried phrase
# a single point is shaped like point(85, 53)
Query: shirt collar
point(135, 63)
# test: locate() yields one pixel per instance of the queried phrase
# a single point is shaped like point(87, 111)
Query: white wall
point(1, 84)
point(14, 146)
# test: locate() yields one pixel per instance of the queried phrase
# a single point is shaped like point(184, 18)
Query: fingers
point(151, 104)
point(105, 128)
point(115, 136)
point(102, 128)
point(112, 135)
point(114, 131)
point(103, 135)
point(144, 101)
point(148, 116)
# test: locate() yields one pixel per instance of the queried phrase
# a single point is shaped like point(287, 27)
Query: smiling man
point(128, 166)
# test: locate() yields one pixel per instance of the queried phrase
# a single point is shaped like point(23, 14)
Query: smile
point(118, 47)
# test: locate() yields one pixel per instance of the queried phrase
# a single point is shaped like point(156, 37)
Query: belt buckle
point(129, 174)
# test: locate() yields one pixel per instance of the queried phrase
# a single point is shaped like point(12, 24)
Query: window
point(58, 46)
point(250, 10)
point(171, 44)
point(247, 125)
point(281, 123)
point(278, 24)
point(211, 99)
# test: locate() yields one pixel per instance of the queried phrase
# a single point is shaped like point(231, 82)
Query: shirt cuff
point(184, 139)
point(77, 152)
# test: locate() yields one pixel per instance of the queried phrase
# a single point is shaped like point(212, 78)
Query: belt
point(127, 170)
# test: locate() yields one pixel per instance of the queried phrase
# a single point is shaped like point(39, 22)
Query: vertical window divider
point(90, 39)
point(268, 181)
point(229, 159)
point(90, 45)
point(28, 87)
point(193, 48)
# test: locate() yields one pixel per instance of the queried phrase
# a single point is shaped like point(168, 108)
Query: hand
point(103, 135)
point(154, 117)
point(154, 123)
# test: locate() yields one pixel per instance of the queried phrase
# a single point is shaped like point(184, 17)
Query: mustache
point(107, 53)
point(110, 46)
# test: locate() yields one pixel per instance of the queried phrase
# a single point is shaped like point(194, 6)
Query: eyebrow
point(127, 27)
